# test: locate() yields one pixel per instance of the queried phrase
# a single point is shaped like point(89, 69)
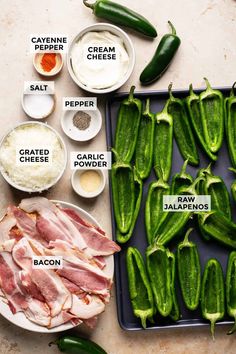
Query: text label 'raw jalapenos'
point(127, 127)
point(123, 190)
point(163, 144)
point(212, 111)
point(212, 293)
point(121, 15)
point(139, 286)
point(162, 58)
point(182, 129)
point(144, 145)
point(189, 271)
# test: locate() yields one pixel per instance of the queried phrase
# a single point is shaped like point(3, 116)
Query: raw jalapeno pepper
point(189, 271)
point(216, 188)
point(154, 213)
point(233, 185)
point(159, 270)
point(201, 191)
point(139, 286)
point(174, 222)
point(163, 144)
point(212, 112)
point(212, 293)
point(162, 58)
point(193, 107)
point(182, 129)
point(127, 127)
point(231, 289)
point(122, 15)
point(175, 311)
point(181, 180)
point(218, 227)
point(123, 191)
point(144, 145)
point(230, 125)
point(75, 345)
point(138, 189)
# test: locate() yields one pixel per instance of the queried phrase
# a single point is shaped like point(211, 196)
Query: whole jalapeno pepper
point(75, 345)
point(231, 289)
point(139, 286)
point(162, 58)
point(138, 190)
point(163, 144)
point(201, 191)
point(218, 227)
point(181, 180)
point(154, 213)
point(189, 271)
point(212, 293)
point(122, 15)
point(182, 129)
point(230, 125)
point(159, 270)
point(212, 111)
point(127, 127)
point(175, 311)
point(193, 108)
point(123, 191)
point(144, 145)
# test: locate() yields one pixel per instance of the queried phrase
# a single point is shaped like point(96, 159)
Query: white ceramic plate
point(20, 320)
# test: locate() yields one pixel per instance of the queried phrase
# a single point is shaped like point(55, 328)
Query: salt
point(38, 106)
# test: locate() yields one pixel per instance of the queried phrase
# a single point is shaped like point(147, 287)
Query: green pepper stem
point(207, 83)
point(170, 90)
point(131, 93)
point(208, 169)
point(191, 89)
point(147, 107)
point(184, 167)
point(233, 329)
point(173, 30)
point(213, 329)
point(186, 240)
point(165, 109)
point(232, 89)
point(86, 3)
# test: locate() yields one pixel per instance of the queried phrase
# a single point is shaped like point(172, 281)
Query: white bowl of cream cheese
point(101, 58)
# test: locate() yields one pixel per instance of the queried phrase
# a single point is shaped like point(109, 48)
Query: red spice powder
point(48, 61)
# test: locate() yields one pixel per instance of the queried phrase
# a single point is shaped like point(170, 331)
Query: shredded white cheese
point(38, 176)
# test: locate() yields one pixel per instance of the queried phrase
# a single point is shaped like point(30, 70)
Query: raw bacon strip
point(49, 224)
point(75, 216)
point(29, 286)
point(99, 244)
point(73, 288)
point(7, 246)
point(18, 299)
point(85, 277)
point(9, 281)
point(26, 225)
point(6, 225)
point(61, 318)
point(87, 307)
point(46, 280)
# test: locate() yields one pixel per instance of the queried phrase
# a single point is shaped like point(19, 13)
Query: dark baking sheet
point(206, 249)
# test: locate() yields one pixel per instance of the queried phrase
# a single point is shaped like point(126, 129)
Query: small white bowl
point(127, 43)
point(46, 187)
point(75, 181)
point(59, 64)
point(81, 135)
point(35, 115)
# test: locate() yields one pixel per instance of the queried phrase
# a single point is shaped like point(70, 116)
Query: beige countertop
point(207, 29)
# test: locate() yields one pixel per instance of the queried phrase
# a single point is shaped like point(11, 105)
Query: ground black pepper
point(81, 120)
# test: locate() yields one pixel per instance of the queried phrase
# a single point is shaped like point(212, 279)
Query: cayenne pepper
point(48, 61)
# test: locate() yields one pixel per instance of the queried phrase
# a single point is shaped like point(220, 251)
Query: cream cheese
point(99, 59)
